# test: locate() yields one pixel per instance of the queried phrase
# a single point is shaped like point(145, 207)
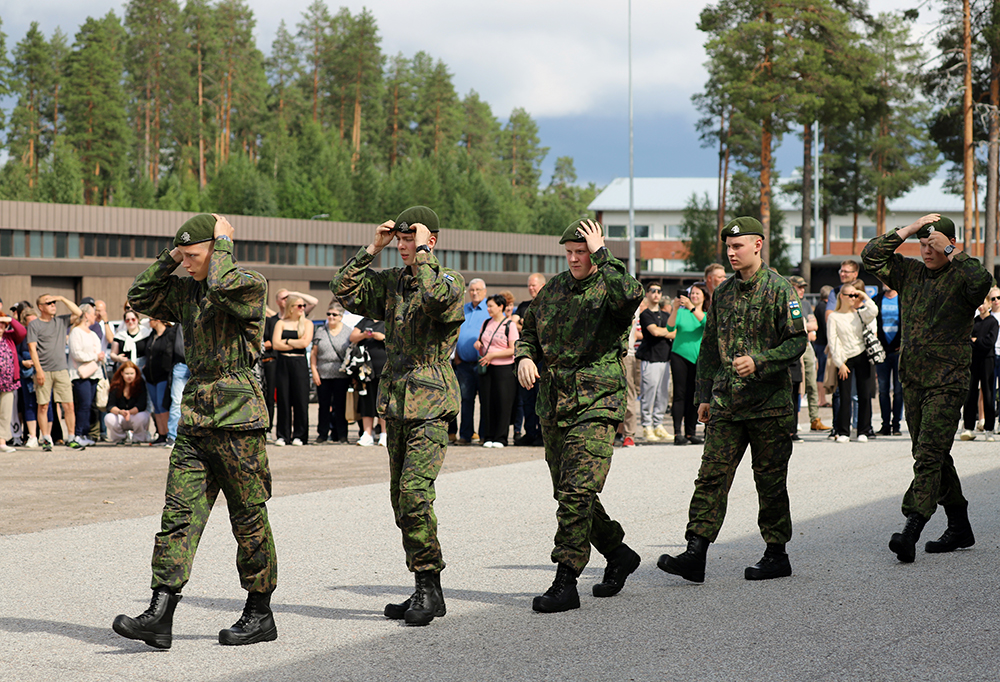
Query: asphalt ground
point(850, 611)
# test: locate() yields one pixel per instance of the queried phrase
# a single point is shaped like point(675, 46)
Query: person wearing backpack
point(498, 385)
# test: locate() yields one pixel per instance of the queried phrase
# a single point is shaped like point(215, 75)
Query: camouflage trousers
point(202, 464)
point(416, 453)
point(932, 417)
point(579, 458)
point(726, 441)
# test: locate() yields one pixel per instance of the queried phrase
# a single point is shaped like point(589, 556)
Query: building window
point(6, 243)
point(868, 232)
point(617, 231)
point(675, 232)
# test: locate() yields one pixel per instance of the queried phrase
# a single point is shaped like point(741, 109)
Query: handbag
point(483, 369)
point(103, 387)
point(873, 348)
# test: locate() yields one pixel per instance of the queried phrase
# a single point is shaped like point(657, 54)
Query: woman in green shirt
point(688, 319)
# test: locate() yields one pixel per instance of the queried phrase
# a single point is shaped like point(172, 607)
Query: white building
point(660, 202)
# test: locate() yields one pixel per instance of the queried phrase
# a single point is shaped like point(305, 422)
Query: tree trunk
point(202, 179)
point(992, 168)
point(967, 156)
point(805, 267)
point(765, 189)
point(395, 126)
point(721, 217)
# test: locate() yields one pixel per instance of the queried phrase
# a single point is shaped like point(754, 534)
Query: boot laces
point(913, 526)
point(559, 584)
point(154, 604)
point(248, 616)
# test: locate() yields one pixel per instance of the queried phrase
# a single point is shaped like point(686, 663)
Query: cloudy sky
point(565, 62)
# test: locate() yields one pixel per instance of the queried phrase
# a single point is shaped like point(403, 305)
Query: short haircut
point(477, 279)
point(853, 265)
point(712, 267)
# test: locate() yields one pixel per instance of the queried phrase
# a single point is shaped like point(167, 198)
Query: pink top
point(499, 336)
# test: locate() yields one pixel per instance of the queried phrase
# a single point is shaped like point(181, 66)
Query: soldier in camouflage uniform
point(575, 332)
point(220, 442)
point(754, 329)
point(938, 299)
point(421, 304)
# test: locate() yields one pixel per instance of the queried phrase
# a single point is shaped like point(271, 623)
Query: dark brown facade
point(97, 251)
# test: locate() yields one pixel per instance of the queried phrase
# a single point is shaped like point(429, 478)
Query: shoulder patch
point(449, 277)
point(794, 309)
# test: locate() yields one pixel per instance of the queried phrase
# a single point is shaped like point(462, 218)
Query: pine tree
point(32, 74)
point(699, 229)
point(522, 152)
point(95, 106)
point(5, 85)
point(481, 131)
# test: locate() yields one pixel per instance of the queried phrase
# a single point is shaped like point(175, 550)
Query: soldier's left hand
point(591, 231)
point(222, 227)
point(938, 241)
point(704, 412)
point(422, 236)
point(744, 365)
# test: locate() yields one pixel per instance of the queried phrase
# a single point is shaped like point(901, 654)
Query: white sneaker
point(296, 441)
point(6, 448)
point(497, 445)
point(862, 438)
point(383, 439)
point(990, 438)
point(980, 424)
point(366, 440)
point(968, 435)
point(87, 442)
point(843, 439)
point(280, 442)
point(32, 442)
point(488, 444)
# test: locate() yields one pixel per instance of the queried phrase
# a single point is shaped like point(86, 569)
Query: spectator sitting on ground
point(127, 419)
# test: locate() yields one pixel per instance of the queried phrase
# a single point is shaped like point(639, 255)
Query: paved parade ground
point(849, 612)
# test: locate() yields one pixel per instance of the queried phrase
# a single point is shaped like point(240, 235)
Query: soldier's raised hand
point(383, 237)
point(592, 232)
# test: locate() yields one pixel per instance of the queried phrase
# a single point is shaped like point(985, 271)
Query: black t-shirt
point(820, 312)
point(653, 348)
point(522, 308)
point(269, 324)
point(159, 356)
point(376, 349)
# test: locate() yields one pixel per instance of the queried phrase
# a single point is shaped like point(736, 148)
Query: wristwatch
point(949, 249)
point(225, 238)
point(423, 248)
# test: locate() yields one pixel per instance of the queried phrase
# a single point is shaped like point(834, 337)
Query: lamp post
point(631, 157)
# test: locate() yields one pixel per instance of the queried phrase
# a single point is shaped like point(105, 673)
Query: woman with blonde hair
point(85, 360)
point(846, 346)
point(292, 335)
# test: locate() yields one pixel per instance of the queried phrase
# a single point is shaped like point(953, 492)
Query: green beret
point(414, 215)
point(570, 234)
point(740, 227)
point(943, 225)
point(201, 228)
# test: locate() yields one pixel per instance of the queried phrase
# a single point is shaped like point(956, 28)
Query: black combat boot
point(562, 596)
point(905, 544)
point(691, 564)
point(255, 625)
point(153, 626)
point(774, 564)
point(427, 601)
point(958, 535)
point(621, 564)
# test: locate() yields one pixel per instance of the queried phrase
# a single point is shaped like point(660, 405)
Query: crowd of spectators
point(54, 364)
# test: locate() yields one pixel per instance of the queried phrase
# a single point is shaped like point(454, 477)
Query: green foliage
point(699, 228)
point(175, 108)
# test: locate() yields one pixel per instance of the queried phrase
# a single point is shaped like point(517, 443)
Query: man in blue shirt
point(887, 324)
point(467, 358)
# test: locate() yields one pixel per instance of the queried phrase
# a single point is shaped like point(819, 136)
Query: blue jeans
point(177, 383)
point(889, 371)
point(84, 391)
point(468, 382)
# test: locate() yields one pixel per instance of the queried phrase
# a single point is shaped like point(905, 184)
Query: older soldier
point(421, 304)
point(937, 299)
point(755, 328)
point(577, 326)
point(220, 441)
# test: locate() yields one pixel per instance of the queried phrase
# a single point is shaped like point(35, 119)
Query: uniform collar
point(753, 282)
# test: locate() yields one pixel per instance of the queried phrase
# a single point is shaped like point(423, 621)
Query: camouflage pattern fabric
point(226, 314)
point(932, 416)
point(579, 458)
point(422, 316)
point(936, 310)
point(220, 442)
point(418, 391)
point(234, 462)
point(761, 318)
point(726, 441)
point(416, 453)
point(575, 331)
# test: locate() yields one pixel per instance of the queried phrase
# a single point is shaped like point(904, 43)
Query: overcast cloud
point(565, 62)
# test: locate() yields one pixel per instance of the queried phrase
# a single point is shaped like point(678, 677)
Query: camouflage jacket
point(936, 309)
point(759, 317)
point(575, 331)
point(422, 315)
point(223, 322)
